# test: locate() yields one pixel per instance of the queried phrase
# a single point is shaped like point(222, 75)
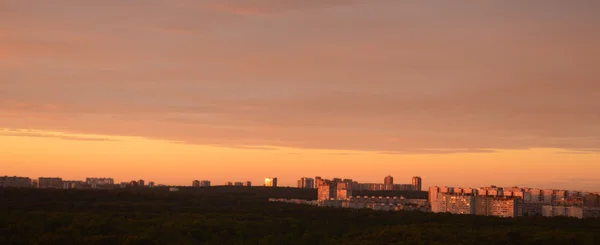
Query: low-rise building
point(455, 204)
point(499, 206)
point(15, 182)
point(45, 182)
point(569, 211)
point(591, 212)
point(74, 184)
point(99, 182)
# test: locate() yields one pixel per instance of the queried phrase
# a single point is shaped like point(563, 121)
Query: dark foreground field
point(243, 216)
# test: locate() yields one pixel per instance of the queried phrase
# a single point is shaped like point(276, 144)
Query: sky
point(461, 93)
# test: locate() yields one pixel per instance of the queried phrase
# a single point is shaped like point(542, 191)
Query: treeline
point(241, 215)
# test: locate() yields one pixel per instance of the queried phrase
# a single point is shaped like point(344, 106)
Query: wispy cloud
point(55, 135)
point(245, 147)
point(586, 151)
point(270, 7)
point(437, 151)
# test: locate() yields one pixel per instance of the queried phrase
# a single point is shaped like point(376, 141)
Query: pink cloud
point(445, 78)
point(269, 7)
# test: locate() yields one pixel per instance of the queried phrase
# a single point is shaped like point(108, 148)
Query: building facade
point(307, 183)
point(15, 182)
point(45, 182)
point(506, 207)
point(455, 204)
point(568, 211)
point(327, 190)
point(74, 184)
point(271, 182)
point(388, 180)
point(99, 182)
point(417, 182)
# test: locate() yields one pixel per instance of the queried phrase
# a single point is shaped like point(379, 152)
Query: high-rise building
point(151, 184)
point(591, 200)
point(308, 183)
point(305, 182)
point(205, 183)
point(248, 183)
point(433, 198)
point(343, 194)
point(229, 183)
point(141, 183)
point(536, 195)
point(417, 183)
point(318, 181)
point(55, 183)
point(34, 184)
point(327, 190)
point(196, 183)
point(560, 194)
point(389, 180)
point(548, 196)
point(271, 182)
point(18, 182)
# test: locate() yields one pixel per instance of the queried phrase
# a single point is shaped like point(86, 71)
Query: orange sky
point(459, 92)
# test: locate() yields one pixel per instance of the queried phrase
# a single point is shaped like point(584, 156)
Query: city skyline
point(416, 184)
point(461, 93)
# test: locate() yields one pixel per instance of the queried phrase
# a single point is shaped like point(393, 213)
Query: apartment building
point(271, 182)
point(455, 204)
point(45, 182)
point(196, 183)
point(15, 182)
point(499, 206)
point(327, 190)
point(568, 211)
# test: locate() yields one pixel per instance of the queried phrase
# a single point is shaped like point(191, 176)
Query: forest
point(243, 215)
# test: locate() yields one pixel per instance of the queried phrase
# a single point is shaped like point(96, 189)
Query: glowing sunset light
point(461, 93)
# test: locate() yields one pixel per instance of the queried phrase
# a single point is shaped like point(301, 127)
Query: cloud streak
point(271, 7)
point(53, 135)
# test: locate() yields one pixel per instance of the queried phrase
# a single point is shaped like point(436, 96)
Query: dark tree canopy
point(242, 215)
